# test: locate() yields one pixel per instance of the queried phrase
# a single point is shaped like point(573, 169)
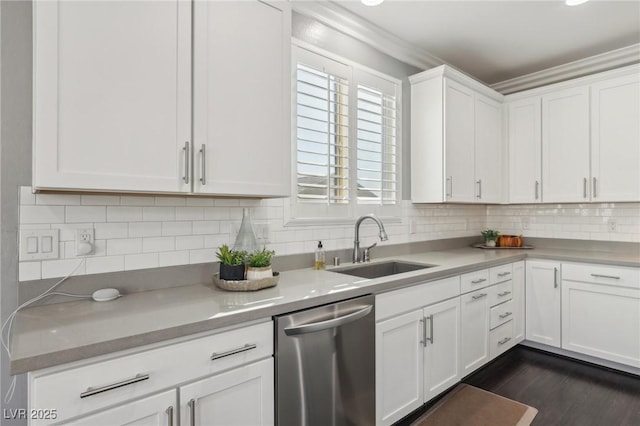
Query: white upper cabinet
point(113, 97)
point(615, 139)
point(112, 93)
point(565, 145)
point(525, 150)
point(242, 98)
point(456, 139)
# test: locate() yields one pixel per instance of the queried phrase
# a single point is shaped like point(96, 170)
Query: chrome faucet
point(356, 241)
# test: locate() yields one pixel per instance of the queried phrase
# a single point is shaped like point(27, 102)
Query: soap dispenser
point(319, 263)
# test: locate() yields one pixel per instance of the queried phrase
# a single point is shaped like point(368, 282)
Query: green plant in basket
point(231, 257)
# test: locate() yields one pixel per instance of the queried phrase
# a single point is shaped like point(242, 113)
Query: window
point(346, 121)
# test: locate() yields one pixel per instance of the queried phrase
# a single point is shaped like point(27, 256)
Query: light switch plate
point(39, 244)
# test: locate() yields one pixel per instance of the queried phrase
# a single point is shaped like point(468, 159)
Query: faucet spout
point(356, 241)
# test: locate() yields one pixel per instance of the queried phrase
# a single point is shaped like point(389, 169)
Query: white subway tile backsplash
point(206, 227)
point(140, 261)
point(171, 201)
point(68, 231)
point(76, 214)
point(135, 200)
point(189, 213)
point(173, 258)
point(202, 256)
point(99, 265)
point(218, 213)
point(158, 214)
point(158, 244)
point(199, 202)
point(58, 199)
point(62, 268)
point(27, 197)
point(100, 200)
point(28, 271)
point(41, 214)
point(177, 228)
point(124, 246)
point(107, 231)
point(189, 242)
point(124, 214)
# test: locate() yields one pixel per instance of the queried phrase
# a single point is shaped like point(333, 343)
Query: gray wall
point(15, 163)
point(313, 32)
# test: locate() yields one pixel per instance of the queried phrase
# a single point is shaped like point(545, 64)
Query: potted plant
point(259, 264)
point(231, 263)
point(490, 237)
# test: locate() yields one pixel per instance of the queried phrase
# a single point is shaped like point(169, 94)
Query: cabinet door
point(155, 410)
point(602, 321)
point(525, 151)
point(488, 150)
point(242, 83)
point(459, 142)
point(565, 145)
point(615, 139)
point(543, 302)
point(474, 346)
point(518, 301)
point(243, 396)
point(441, 362)
point(112, 95)
point(399, 367)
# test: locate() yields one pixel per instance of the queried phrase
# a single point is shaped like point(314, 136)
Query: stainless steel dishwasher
point(325, 365)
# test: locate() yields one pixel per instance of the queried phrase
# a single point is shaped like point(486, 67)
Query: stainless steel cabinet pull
point(503, 341)
point(186, 162)
point(331, 323)
point(505, 315)
point(95, 391)
point(203, 165)
point(423, 320)
point(430, 338)
point(504, 293)
point(504, 274)
point(449, 189)
point(555, 277)
point(192, 411)
point(481, 280)
point(613, 277)
point(169, 412)
point(479, 182)
point(245, 348)
point(478, 296)
point(595, 186)
point(537, 190)
point(584, 188)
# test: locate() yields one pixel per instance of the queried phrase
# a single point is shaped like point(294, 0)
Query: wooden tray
point(486, 247)
point(246, 285)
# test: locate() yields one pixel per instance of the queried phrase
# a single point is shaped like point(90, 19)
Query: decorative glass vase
point(246, 238)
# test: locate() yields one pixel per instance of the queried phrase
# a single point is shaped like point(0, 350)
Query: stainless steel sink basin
point(382, 269)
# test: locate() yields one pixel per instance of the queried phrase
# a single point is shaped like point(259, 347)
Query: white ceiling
point(499, 40)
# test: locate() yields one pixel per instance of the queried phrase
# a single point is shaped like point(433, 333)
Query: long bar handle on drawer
point(503, 341)
point(504, 274)
point(203, 164)
point(192, 411)
point(478, 296)
point(505, 315)
point(481, 280)
point(169, 412)
point(504, 293)
point(245, 348)
point(94, 391)
point(187, 160)
point(613, 277)
point(555, 277)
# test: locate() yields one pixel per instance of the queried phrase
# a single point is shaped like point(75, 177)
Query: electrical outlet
point(613, 225)
point(525, 223)
point(84, 241)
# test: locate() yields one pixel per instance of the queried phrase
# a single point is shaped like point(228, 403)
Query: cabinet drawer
point(77, 390)
point(474, 281)
point(500, 293)
point(501, 314)
point(500, 273)
point(602, 274)
point(501, 339)
point(408, 299)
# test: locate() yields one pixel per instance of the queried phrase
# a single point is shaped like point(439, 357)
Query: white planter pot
point(259, 273)
point(490, 243)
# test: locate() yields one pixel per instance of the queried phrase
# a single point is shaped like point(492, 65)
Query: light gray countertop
point(55, 334)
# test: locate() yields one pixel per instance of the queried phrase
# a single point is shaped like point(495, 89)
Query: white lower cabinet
point(543, 302)
point(475, 330)
point(601, 313)
point(243, 396)
point(220, 372)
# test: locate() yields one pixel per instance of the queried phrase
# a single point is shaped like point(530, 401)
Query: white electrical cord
point(9, 322)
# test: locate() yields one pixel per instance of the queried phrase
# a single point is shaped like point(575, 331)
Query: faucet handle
point(365, 253)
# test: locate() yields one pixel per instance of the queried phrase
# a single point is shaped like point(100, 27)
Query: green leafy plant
point(490, 234)
point(228, 256)
point(260, 258)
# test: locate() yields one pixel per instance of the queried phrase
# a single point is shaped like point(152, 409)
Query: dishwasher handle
point(327, 324)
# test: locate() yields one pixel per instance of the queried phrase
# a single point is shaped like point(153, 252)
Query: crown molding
point(341, 19)
point(594, 64)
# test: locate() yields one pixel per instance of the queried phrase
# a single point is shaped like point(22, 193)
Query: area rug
point(469, 406)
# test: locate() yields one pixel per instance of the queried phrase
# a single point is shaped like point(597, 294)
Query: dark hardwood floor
point(565, 392)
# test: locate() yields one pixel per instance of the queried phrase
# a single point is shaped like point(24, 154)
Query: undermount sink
point(382, 269)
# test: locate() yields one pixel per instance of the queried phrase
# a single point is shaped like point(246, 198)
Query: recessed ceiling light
point(574, 2)
point(375, 2)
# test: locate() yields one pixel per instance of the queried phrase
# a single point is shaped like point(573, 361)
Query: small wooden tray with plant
point(242, 271)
